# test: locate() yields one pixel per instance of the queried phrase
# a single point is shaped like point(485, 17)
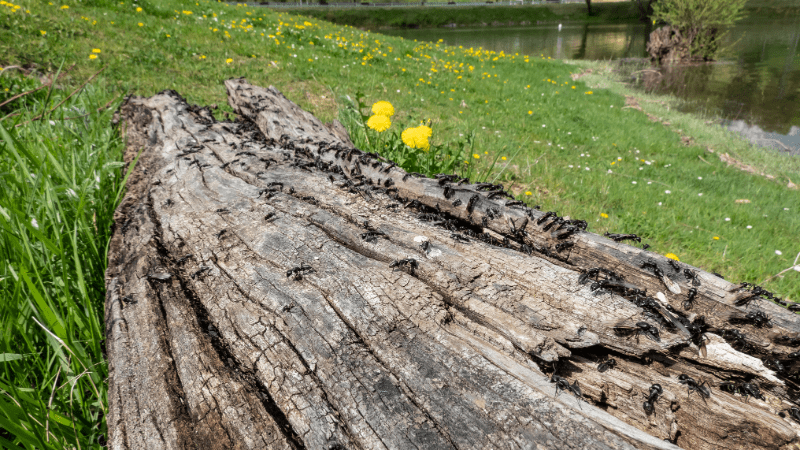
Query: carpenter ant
point(788, 341)
point(202, 270)
point(775, 365)
point(622, 237)
point(692, 385)
point(410, 263)
point(794, 412)
point(759, 319)
point(691, 275)
point(389, 167)
point(609, 363)
point(639, 328)
point(652, 397)
point(221, 232)
point(291, 190)
point(645, 246)
point(275, 183)
point(514, 203)
point(459, 238)
point(564, 245)
point(456, 202)
point(675, 266)
point(744, 389)
point(526, 249)
point(652, 265)
point(184, 258)
point(297, 272)
point(223, 210)
point(737, 337)
point(448, 192)
point(471, 203)
point(269, 217)
point(546, 216)
point(425, 245)
point(562, 384)
point(687, 304)
point(372, 236)
point(128, 299)
point(309, 199)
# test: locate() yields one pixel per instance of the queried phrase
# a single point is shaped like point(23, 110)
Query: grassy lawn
point(573, 146)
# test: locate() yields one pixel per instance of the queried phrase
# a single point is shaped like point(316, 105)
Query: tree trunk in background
point(255, 300)
point(589, 6)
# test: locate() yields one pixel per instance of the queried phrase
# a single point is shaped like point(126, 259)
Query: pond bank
point(426, 17)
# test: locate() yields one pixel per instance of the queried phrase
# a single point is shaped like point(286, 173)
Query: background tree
point(698, 25)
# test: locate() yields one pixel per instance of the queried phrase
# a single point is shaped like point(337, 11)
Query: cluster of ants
point(603, 280)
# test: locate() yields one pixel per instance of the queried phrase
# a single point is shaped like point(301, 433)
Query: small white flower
point(609, 171)
point(583, 154)
point(398, 91)
point(633, 182)
point(587, 168)
point(649, 182)
point(569, 132)
point(72, 193)
point(544, 126)
point(640, 168)
point(785, 209)
point(612, 106)
point(570, 166)
point(699, 178)
point(648, 162)
point(35, 223)
point(727, 219)
point(749, 227)
point(659, 203)
point(667, 191)
point(778, 252)
point(700, 194)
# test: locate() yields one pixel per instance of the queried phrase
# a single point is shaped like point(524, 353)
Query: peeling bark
point(213, 342)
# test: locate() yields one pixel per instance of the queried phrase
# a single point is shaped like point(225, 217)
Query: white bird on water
point(559, 27)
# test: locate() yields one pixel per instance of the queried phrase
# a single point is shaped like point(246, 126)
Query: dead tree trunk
point(271, 286)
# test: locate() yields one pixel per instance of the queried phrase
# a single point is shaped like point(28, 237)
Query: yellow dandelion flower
point(530, 112)
point(139, 9)
point(96, 50)
point(229, 60)
point(588, 92)
point(417, 137)
point(65, 7)
point(503, 158)
point(141, 24)
point(476, 156)
point(528, 193)
point(92, 56)
point(716, 238)
point(379, 123)
point(604, 215)
point(672, 256)
point(43, 32)
point(383, 108)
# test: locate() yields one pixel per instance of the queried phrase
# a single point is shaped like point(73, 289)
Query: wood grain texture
point(212, 344)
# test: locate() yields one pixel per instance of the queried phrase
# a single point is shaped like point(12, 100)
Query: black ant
point(297, 272)
point(180, 261)
point(457, 202)
point(652, 397)
point(622, 237)
point(642, 327)
point(471, 203)
point(737, 337)
point(562, 384)
point(609, 363)
point(546, 216)
point(409, 263)
point(692, 385)
point(373, 235)
point(744, 389)
point(759, 319)
point(691, 275)
point(459, 238)
point(202, 270)
point(687, 304)
point(269, 217)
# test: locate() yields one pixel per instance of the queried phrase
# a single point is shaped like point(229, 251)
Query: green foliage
point(701, 23)
point(439, 158)
point(59, 186)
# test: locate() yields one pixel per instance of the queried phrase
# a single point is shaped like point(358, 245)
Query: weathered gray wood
point(357, 353)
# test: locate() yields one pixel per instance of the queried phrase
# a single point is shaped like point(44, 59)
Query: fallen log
point(271, 286)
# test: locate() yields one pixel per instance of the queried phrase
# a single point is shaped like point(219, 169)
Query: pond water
point(755, 88)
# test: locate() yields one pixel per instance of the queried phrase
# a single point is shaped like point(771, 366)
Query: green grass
point(524, 120)
point(422, 17)
point(59, 185)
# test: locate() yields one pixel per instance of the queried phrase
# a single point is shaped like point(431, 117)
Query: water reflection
point(758, 81)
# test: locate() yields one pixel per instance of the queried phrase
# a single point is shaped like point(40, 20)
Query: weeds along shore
point(553, 133)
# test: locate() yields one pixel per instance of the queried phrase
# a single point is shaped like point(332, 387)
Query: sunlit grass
point(59, 184)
